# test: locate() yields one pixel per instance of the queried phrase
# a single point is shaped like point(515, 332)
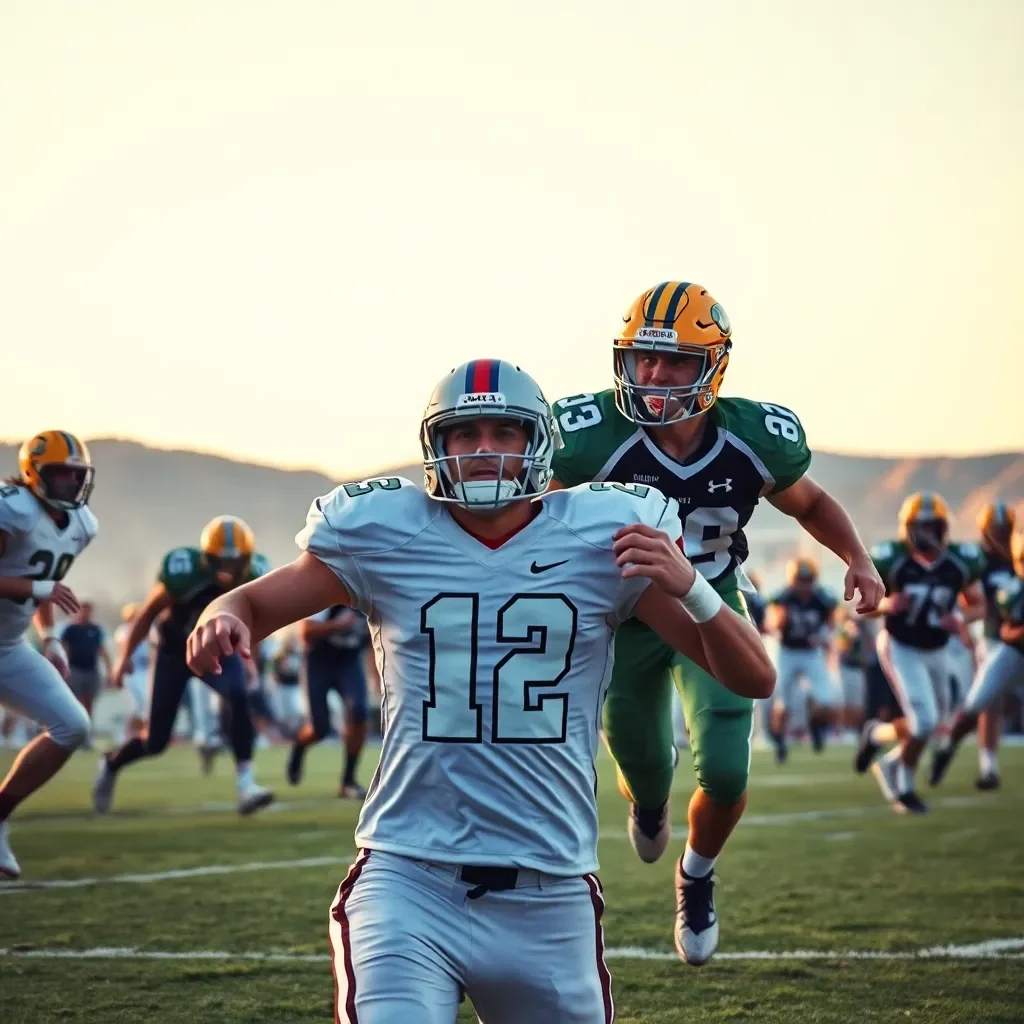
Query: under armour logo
point(727, 484)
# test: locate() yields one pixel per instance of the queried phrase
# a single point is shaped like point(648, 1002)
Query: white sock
point(987, 763)
point(695, 865)
point(904, 778)
point(243, 773)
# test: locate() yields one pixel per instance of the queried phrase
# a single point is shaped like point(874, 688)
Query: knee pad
point(73, 728)
point(721, 753)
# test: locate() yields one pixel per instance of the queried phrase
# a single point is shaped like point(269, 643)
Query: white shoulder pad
point(360, 519)
point(596, 511)
point(89, 522)
point(19, 509)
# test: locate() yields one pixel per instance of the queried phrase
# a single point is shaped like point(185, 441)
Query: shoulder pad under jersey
point(972, 557)
point(19, 509)
point(89, 522)
point(595, 511)
point(360, 519)
point(591, 429)
point(180, 570)
point(259, 565)
point(771, 432)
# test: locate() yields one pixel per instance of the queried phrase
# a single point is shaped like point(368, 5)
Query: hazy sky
point(266, 229)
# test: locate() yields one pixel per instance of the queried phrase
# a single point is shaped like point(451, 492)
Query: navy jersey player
point(927, 579)
point(492, 609)
point(802, 615)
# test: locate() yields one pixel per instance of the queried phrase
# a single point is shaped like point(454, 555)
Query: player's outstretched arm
point(241, 618)
point(685, 611)
point(830, 524)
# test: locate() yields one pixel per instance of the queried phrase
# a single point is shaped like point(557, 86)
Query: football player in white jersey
point(492, 608)
point(44, 525)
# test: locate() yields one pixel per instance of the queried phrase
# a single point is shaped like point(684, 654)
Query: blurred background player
point(802, 616)
point(925, 577)
point(996, 523)
point(189, 579)
point(852, 651)
point(136, 680)
point(333, 641)
point(1003, 668)
point(664, 424)
point(85, 644)
point(45, 524)
point(286, 665)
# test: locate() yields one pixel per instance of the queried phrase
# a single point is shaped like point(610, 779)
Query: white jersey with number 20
point(494, 666)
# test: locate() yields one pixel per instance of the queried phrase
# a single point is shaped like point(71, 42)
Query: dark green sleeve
point(773, 433)
point(589, 426)
point(180, 570)
point(1010, 602)
point(259, 565)
point(974, 559)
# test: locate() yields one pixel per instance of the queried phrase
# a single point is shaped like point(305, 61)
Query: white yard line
point(10, 888)
point(992, 949)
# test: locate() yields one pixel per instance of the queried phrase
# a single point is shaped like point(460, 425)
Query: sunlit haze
point(267, 229)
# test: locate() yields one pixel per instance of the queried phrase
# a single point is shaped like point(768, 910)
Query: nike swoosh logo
point(535, 568)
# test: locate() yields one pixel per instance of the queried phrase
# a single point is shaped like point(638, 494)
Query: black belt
point(488, 879)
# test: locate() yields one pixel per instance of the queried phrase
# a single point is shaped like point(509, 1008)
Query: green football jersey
point(192, 586)
point(1009, 601)
point(932, 589)
point(749, 450)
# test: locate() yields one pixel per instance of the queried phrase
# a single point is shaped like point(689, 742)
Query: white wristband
point(702, 601)
point(42, 589)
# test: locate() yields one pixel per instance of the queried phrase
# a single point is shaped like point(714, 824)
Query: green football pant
point(638, 717)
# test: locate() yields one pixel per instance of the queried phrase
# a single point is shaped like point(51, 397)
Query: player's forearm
point(736, 655)
point(43, 618)
point(830, 524)
point(16, 587)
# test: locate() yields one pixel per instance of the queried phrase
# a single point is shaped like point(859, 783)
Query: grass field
point(831, 907)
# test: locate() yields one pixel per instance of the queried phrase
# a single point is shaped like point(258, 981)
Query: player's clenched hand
point(862, 576)
point(218, 637)
point(644, 551)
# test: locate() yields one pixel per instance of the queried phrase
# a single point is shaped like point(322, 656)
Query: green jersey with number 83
point(749, 450)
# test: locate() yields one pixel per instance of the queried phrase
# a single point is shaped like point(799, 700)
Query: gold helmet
point(56, 467)
point(1017, 551)
point(995, 524)
point(924, 522)
point(227, 545)
point(801, 570)
point(676, 318)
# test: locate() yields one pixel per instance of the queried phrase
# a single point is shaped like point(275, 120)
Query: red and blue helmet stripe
point(482, 376)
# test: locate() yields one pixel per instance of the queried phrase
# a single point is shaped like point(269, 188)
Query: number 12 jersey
point(494, 665)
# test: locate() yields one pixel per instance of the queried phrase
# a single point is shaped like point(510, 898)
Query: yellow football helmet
point(995, 524)
point(227, 545)
point(56, 467)
point(674, 317)
point(1017, 551)
point(924, 522)
point(801, 570)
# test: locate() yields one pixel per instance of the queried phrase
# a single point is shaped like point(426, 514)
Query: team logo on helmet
point(720, 318)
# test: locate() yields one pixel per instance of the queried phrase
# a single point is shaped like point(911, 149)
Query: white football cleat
point(649, 847)
point(103, 788)
point(696, 931)
point(252, 798)
point(8, 862)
